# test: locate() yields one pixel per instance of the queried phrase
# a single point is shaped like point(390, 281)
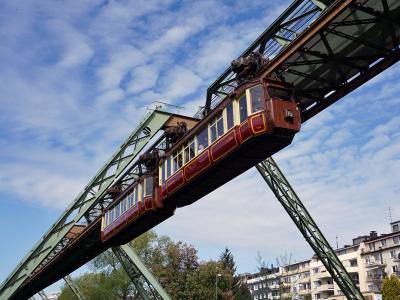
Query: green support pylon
point(43, 295)
point(274, 177)
point(55, 239)
point(74, 287)
point(139, 274)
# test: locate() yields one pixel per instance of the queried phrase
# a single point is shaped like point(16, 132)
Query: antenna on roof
point(390, 213)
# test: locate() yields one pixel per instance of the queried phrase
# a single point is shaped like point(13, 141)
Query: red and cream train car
point(258, 119)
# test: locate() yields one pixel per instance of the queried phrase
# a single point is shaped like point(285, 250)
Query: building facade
point(368, 260)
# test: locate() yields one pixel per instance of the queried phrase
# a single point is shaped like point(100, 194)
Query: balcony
point(273, 287)
point(325, 287)
point(375, 265)
point(322, 275)
point(304, 292)
point(304, 280)
point(374, 278)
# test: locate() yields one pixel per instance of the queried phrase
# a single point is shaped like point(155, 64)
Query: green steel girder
point(279, 185)
point(86, 200)
point(74, 287)
point(139, 274)
point(43, 295)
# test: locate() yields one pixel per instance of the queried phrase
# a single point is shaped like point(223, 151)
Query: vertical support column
point(274, 177)
point(74, 287)
point(145, 283)
point(43, 295)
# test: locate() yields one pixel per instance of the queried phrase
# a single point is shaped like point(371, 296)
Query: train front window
point(256, 98)
point(202, 140)
point(243, 108)
point(281, 93)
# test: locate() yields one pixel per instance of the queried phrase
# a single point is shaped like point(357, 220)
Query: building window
point(371, 246)
point(395, 269)
point(353, 263)
point(383, 243)
point(393, 254)
point(396, 240)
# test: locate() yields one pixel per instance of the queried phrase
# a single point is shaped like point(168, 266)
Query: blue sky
point(76, 77)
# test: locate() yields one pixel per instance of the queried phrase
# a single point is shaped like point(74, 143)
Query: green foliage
point(176, 266)
point(391, 288)
point(227, 260)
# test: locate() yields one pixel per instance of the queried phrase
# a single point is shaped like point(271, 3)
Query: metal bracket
point(285, 194)
point(145, 283)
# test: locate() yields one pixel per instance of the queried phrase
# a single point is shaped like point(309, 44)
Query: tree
point(391, 288)
point(176, 266)
point(227, 260)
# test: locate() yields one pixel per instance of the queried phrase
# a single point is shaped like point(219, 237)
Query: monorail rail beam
point(140, 274)
point(54, 240)
point(280, 186)
point(75, 289)
point(286, 28)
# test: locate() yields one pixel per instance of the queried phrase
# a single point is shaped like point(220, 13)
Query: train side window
point(281, 93)
point(202, 140)
point(142, 187)
point(189, 151)
point(123, 206)
point(216, 128)
point(256, 98)
point(177, 161)
point(168, 160)
point(118, 210)
point(162, 173)
point(149, 187)
point(230, 121)
point(243, 108)
point(131, 196)
point(136, 198)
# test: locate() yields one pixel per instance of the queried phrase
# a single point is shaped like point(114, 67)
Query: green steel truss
point(145, 283)
point(87, 203)
point(274, 177)
point(74, 287)
point(290, 24)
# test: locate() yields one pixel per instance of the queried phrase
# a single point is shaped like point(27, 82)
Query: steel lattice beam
point(74, 287)
point(145, 283)
point(85, 201)
point(285, 194)
point(286, 28)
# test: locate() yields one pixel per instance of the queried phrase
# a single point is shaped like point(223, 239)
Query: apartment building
point(368, 260)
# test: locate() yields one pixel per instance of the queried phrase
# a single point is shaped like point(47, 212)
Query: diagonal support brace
point(139, 274)
point(74, 287)
point(279, 185)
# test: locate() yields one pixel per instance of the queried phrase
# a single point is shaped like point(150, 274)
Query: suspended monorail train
point(259, 118)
